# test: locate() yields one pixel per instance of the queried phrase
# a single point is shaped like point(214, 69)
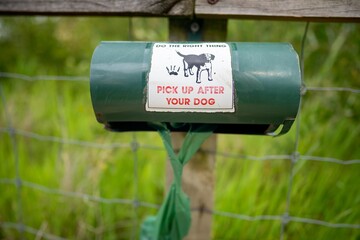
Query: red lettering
point(178, 101)
point(204, 101)
point(211, 90)
point(167, 89)
point(221, 90)
point(187, 89)
point(211, 101)
point(200, 91)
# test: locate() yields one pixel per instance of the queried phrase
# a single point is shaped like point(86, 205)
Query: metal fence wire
point(20, 184)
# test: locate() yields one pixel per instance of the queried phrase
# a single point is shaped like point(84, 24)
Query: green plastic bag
point(173, 220)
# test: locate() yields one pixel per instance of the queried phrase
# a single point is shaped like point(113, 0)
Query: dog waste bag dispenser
point(250, 88)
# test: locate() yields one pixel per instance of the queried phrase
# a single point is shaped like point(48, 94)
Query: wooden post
point(199, 173)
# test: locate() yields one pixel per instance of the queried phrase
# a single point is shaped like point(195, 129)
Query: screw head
point(212, 2)
point(195, 27)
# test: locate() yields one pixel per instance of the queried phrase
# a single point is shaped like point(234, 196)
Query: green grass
point(329, 127)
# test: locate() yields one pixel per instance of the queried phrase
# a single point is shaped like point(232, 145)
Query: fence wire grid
point(134, 146)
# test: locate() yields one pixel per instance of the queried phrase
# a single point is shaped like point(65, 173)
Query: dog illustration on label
point(201, 62)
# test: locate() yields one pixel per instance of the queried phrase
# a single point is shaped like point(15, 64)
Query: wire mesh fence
point(19, 224)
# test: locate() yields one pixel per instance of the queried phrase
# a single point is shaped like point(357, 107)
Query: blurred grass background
point(329, 127)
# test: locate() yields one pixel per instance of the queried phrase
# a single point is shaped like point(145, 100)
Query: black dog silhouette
point(201, 62)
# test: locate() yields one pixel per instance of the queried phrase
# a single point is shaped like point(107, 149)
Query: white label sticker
point(191, 77)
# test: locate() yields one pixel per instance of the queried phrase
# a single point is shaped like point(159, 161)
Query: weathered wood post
point(199, 173)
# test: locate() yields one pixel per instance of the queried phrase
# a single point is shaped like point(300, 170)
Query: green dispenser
point(241, 88)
